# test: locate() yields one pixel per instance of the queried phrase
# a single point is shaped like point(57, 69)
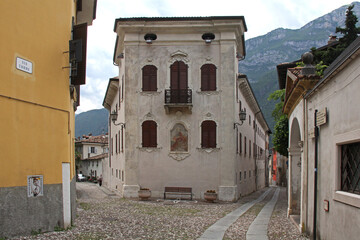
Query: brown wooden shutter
point(208, 77)
point(240, 143)
point(245, 145)
point(80, 33)
point(174, 77)
point(204, 78)
point(116, 143)
point(122, 139)
point(183, 81)
point(212, 77)
point(149, 78)
point(149, 134)
point(208, 134)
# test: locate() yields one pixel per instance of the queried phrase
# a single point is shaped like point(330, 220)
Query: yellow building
point(38, 99)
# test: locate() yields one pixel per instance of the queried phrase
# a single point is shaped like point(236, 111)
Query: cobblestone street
point(103, 215)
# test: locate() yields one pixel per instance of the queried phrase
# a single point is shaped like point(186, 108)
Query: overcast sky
point(261, 17)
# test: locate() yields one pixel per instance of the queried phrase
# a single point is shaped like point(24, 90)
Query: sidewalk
point(217, 230)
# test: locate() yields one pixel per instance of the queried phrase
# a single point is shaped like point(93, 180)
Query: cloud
point(261, 17)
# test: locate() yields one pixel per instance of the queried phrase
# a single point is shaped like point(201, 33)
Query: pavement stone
point(217, 230)
point(259, 227)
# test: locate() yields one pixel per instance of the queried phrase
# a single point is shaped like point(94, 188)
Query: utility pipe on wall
point(316, 130)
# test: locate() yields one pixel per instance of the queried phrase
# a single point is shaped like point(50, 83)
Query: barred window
point(350, 168)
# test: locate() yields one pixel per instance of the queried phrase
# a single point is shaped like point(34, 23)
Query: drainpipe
point(316, 130)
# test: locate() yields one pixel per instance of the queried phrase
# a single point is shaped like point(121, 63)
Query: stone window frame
point(348, 198)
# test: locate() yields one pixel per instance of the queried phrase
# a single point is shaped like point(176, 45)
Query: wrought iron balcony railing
point(178, 96)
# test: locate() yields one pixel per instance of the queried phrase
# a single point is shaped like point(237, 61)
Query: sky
point(261, 17)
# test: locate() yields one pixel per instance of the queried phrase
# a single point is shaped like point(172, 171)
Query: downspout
point(316, 130)
point(305, 166)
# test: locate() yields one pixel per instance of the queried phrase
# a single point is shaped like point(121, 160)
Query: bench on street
point(182, 191)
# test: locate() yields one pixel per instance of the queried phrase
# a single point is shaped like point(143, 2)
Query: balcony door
point(179, 82)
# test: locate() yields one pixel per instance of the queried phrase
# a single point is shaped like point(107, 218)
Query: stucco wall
point(340, 96)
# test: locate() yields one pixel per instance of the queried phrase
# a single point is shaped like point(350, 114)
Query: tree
point(281, 129)
point(350, 33)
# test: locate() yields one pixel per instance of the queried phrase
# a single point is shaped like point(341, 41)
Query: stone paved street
point(103, 215)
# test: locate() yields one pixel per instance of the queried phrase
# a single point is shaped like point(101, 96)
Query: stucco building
point(177, 104)
point(324, 144)
point(39, 94)
point(93, 153)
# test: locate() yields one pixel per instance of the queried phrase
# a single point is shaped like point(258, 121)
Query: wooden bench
point(178, 191)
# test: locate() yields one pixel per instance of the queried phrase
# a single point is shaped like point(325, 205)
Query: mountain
point(93, 121)
point(281, 45)
point(263, 53)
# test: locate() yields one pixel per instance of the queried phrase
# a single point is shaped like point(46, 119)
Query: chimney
point(332, 38)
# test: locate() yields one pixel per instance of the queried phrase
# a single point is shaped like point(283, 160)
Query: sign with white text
point(24, 65)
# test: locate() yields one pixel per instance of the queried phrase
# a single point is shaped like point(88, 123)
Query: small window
point(244, 174)
point(245, 145)
point(149, 134)
point(116, 143)
point(249, 148)
point(240, 143)
point(208, 77)
point(350, 168)
point(208, 134)
point(149, 78)
point(240, 176)
point(93, 150)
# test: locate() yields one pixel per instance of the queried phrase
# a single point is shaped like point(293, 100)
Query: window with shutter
point(122, 139)
point(116, 143)
point(240, 143)
point(149, 78)
point(245, 145)
point(178, 82)
point(208, 77)
point(149, 134)
point(208, 134)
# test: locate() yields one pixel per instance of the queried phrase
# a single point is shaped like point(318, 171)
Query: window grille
point(350, 168)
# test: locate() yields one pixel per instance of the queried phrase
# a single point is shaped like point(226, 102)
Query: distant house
point(324, 147)
point(180, 113)
point(93, 152)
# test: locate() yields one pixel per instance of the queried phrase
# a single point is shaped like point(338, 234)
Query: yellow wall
point(36, 113)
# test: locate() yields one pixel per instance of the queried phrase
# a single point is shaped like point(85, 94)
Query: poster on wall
point(35, 185)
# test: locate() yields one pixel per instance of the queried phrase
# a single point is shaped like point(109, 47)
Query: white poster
point(35, 185)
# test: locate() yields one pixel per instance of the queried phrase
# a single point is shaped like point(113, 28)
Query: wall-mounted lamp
point(121, 55)
point(149, 37)
point(208, 37)
point(114, 116)
point(242, 117)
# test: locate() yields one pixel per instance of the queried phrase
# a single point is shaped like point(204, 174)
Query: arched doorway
point(295, 150)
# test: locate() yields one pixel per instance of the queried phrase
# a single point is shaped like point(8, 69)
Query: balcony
point(178, 100)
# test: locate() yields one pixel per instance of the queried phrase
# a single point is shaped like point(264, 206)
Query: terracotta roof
point(97, 157)
point(94, 139)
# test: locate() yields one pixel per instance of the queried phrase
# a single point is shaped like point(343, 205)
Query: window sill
point(149, 149)
point(208, 150)
point(347, 198)
point(208, 93)
point(149, 93)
